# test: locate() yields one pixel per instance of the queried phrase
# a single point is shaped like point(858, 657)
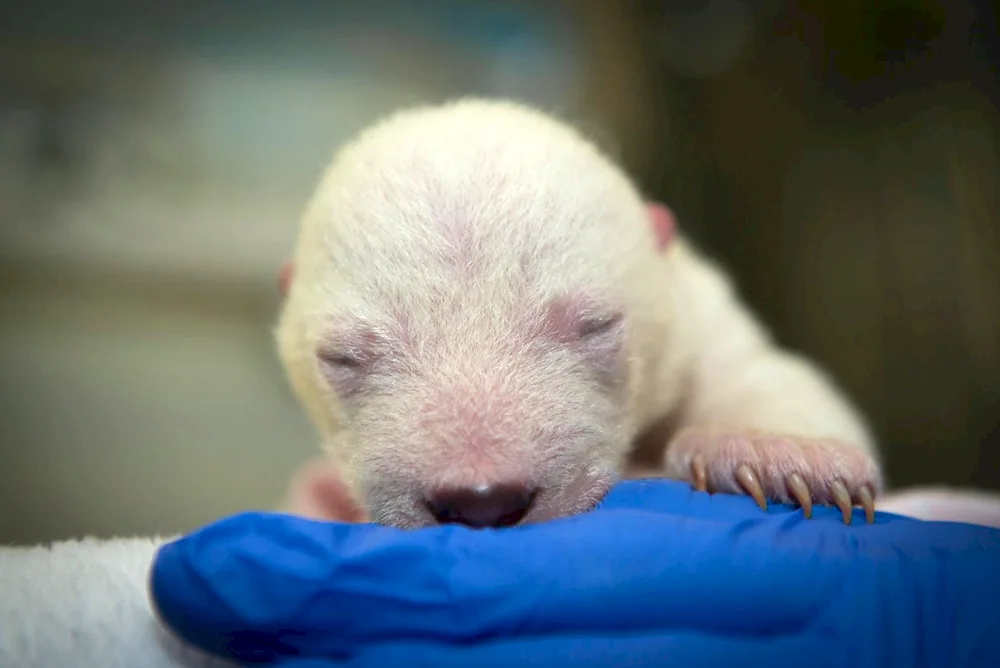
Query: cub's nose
point(483, 506)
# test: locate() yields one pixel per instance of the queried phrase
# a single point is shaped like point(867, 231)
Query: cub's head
point(464, 315)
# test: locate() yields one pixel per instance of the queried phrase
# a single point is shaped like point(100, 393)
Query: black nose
point(484, 506)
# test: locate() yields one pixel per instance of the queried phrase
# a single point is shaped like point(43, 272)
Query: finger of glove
point(339, 587)
point(680, 499)
point(354, 584)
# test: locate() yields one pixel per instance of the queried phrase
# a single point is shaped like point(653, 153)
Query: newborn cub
point(489, 325)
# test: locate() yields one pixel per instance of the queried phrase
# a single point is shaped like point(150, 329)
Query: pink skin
point(942, 504)
point(317, 491)
point(664, 224)
point(712, 459)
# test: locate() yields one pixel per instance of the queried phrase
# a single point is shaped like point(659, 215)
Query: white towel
point(85, 604)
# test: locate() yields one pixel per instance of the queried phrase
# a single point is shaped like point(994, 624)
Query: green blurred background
point(840, 157)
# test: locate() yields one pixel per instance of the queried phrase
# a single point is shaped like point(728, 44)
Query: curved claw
point(749, 481)
point(699, 473)
point(800, 492)
point(868, 503)
point(842, 499)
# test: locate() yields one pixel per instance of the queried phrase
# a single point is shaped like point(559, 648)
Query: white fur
point(740, 378)
point(447, 232)
point(85, 603)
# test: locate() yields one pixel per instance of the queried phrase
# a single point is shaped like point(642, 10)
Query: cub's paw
point(785, 469)
point(318, 492)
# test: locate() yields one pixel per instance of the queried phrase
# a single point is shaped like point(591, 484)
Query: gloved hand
point(658, 575)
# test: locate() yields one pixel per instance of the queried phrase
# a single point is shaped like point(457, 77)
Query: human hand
point(659, 574)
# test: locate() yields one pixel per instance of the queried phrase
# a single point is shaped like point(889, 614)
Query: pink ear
point(285, 276)
point(663, 222)
point(318, 492)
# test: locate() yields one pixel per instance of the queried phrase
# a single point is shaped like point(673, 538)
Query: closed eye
point(598, 326)
point(344, 371)
point(341, 360)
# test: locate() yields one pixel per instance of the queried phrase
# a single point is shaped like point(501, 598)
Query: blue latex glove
point(658, 575)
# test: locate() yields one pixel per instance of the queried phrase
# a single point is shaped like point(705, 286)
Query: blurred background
point(839, 156)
